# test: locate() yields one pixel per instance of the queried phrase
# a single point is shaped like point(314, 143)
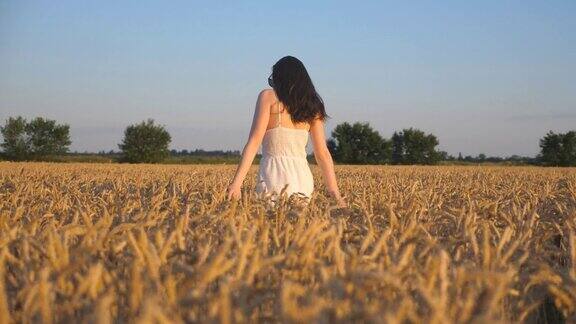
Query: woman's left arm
point(257, 131)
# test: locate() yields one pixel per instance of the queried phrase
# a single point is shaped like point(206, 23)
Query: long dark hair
point(295, 90)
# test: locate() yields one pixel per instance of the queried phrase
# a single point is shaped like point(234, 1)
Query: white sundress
point(284, 162)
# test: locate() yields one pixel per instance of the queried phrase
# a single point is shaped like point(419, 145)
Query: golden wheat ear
point(142, 243)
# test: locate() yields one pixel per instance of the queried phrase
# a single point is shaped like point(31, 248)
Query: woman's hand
point(233, 191)
point(340, 201)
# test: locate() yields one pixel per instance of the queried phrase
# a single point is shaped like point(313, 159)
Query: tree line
point(357, 143)
point(40, 138)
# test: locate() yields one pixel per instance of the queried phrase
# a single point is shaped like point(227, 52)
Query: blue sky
point(483, 76)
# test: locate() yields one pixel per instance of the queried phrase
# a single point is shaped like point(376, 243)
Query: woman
point(284, 117)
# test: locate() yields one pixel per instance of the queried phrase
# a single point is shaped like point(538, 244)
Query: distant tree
point(444, 156)
point(398, 148)
point(558, 149)
point(481, 157)
point(460, 158)
point(568, 155)
point(145, 143)
point(358, 144)
point(45, 137)
point(412, 146)
point(332, 147)
point(495, 159)
point(35, 139)
point(15, 143)
point(550, 148)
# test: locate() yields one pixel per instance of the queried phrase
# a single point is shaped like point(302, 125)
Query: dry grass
point(117, 243)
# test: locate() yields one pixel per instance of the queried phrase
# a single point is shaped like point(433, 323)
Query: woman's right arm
point(257, 131)
point(324, 160)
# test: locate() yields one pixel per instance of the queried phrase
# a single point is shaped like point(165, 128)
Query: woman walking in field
point(284, 117)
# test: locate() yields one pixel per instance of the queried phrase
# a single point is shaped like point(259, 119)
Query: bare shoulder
point(267, 95)
point(317, 123)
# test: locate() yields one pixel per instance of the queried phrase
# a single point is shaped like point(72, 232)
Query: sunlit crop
point(151, 243)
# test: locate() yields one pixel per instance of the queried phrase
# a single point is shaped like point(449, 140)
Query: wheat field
point(160, 244)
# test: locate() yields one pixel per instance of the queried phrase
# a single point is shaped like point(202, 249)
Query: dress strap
point(279, 114)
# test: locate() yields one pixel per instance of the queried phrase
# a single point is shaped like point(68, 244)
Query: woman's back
point(283, 160)
point(284, 140)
